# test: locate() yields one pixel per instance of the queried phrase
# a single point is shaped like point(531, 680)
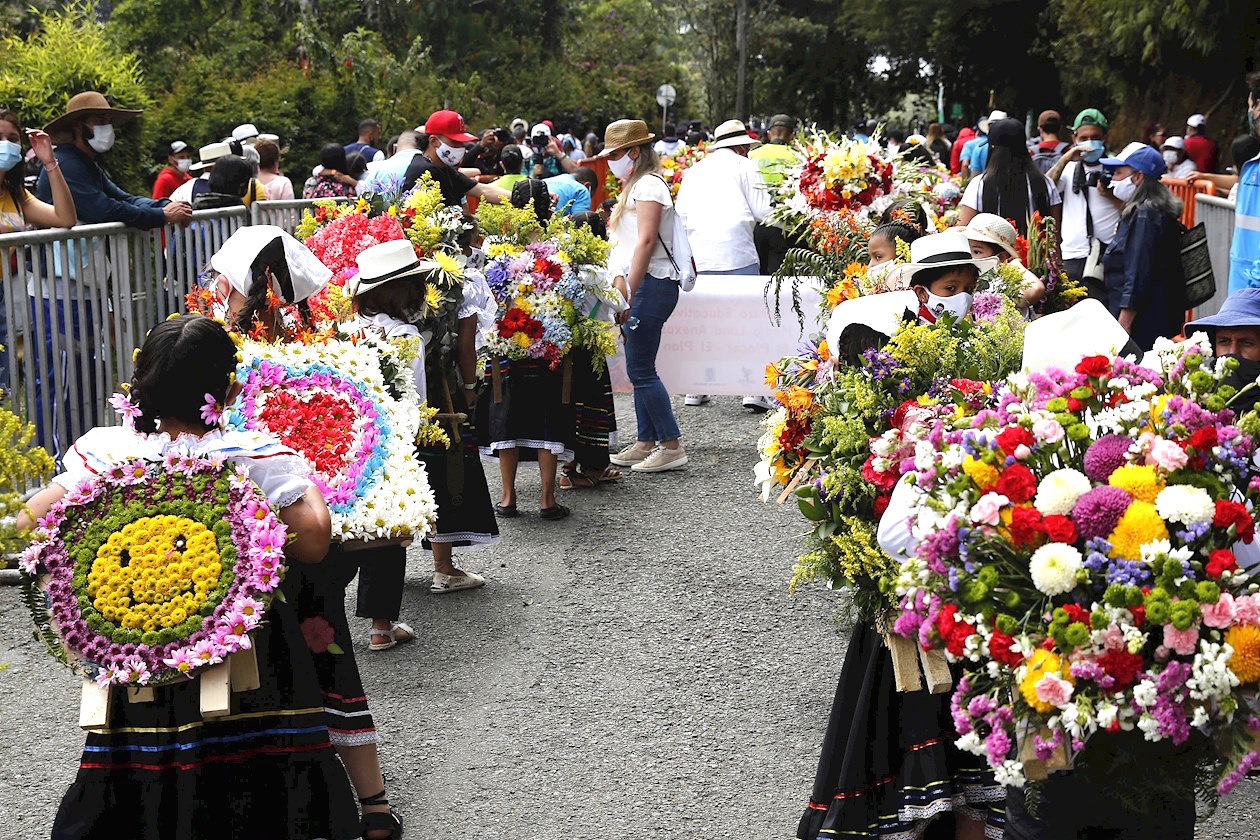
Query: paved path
point(635, 671)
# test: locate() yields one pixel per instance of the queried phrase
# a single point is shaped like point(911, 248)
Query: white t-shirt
point(1104, 211)
point(669, 147)
point(625, 235)
point(721, 199)
point(973, 196)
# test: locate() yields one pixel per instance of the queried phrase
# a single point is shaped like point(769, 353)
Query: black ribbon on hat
point(398, 272)
point(722, 137)
point(947, 256)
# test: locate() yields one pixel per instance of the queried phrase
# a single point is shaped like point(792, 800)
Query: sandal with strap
point(409, 635)
point(380, 820)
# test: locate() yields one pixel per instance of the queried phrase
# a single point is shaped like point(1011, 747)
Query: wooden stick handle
point(496, 380)
point(905, 662)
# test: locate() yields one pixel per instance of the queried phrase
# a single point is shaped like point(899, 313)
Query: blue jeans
point(653, 304)
point(748, 269)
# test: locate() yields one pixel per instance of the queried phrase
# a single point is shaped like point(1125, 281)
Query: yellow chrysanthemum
point(432, 297)
point(1042, 662)
point(984, 475)
point(449, 264)
point(1141, 524)
point(521, 340)
point(1245, 661)
point(1140, 482)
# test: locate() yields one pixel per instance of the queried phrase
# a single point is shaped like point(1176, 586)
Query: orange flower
point(836, 296)
point(824, 352)
point(854, 270)
point(797, 399)
point(772, 376)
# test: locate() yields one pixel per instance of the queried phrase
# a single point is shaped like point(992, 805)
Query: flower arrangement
point(350, 409)
point(429, 223)
point(1076, 553)
point(852, 423)
point(1039, 251)
point(836, 175)
point(673, 167)
point(155, 569)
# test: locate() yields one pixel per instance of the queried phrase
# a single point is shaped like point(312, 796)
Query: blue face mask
point(10, 155)
point(1095, 152)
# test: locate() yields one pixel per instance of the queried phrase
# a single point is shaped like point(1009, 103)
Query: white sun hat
point(732, 133)
point(938, 250)
point(387, 261)
point(1064, 338)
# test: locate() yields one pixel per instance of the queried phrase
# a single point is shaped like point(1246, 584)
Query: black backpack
point(1045, 159)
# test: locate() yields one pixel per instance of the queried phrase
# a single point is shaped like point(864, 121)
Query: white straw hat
point(209, 154)
point(387, 261)
point(939, 250)
point(732, 133)
point(882, 313)
point(992, 228)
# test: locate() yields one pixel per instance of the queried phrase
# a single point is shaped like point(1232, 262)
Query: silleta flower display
point(155, 569)
point(1077, 553)
point(331, 402)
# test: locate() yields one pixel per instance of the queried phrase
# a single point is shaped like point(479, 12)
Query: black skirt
point(533, 414)
point(594, 417)
point(321, 607)
point(267, 769)
point(889, 767)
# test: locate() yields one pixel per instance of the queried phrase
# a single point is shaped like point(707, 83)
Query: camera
point(538, 144)
point(1094, 179)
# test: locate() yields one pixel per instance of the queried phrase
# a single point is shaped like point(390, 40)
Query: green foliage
point(69, 53)
point(23, 465)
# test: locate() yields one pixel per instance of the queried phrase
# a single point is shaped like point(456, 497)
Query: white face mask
point(957, 305)
point(1170, 158)
point(183, 164)
point(451, 155)
point(102, 139)
point(621, 167)
point(1124, 190)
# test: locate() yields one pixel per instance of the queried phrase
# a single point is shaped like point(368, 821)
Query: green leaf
point(335, 648)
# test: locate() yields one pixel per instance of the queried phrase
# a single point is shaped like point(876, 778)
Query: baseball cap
point(1090, 116)
point(244, 131)
point(1141, 157)
point(781, 121)
point(541, 128)
point(1175, 142)
point(1049, 118)
point(1196, 121)
point(448, 124)
point(178, 146)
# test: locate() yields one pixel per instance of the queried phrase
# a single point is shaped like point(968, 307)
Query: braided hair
point(182, 360)
point(269, 264)
point(533, 190)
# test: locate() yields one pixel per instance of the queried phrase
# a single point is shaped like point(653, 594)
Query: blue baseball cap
point(1145, 159)
point(1241, 309)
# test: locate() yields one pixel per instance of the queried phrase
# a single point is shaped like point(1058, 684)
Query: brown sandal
point(572, 480)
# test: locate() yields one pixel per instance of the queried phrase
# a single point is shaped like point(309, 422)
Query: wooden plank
point(244, 667)
point(796, 479)
point(936, 671)
point(94, 706)
point(216, 690)
point(905, 662)
point(139, 694)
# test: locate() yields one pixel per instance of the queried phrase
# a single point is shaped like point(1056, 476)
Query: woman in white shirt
point(641, 229)
point(1011, 185)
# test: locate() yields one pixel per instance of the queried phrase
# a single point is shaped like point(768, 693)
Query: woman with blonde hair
point(641, 230)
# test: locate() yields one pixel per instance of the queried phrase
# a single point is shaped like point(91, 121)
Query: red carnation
point(1077, 613)
point(1059, 528)
point(1204, 439)
point(1220, 561)
point(884, 481)
point(881, 504)
point(1010, 439)
point(1000, 646)
point(1094, 366)
point(1232, 513)
point(1121, 666)
point(953, 633)
point(1139, 615)
point(1025, 525)
point(1017, 483)
point(1074, 404)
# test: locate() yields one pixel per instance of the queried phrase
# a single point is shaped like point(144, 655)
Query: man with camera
point(1090, 211)
point(447, 139)
point(546, 159)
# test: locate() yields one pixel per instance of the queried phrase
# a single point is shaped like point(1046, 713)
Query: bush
point(67, 54)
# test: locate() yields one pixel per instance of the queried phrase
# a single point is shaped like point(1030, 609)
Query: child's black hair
point(928, 276)
point(907, 211)
point(533, 191)
point(897, 230)
point(592, 220)
point(269, 264)
point(402, 299)
point(181, 361)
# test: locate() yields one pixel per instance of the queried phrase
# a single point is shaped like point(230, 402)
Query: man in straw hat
point(721, 200)
point(84, 133)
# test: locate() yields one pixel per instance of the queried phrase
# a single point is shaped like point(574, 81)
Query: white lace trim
point(289, 497)
point(341, 714)
point(561, 452)
point(353, 739)
point(477, 538)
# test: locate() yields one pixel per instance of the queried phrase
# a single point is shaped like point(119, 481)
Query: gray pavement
point(638, 670)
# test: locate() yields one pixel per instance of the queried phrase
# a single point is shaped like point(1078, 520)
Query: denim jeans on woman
point(652, 306)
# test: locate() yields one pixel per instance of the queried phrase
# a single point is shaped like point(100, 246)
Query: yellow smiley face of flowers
point(154, 573)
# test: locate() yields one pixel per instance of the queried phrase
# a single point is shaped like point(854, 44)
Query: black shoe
point(506, 511)
point(552, 513)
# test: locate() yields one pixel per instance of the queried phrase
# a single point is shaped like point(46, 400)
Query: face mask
point(102, 139)
point(957, 305)
point(183, 164)
point(451, 155)
point(1245, 374)
point(10, 155)
point(1170, 158)
point(621, 167)
point(1095, 151)
point(1124, 190)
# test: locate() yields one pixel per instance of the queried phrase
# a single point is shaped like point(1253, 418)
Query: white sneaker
point(443, 584)
point(696, 399)
point(759, 404)
point(662, 459)
point(630, 456)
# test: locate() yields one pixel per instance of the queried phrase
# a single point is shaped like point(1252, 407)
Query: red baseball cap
point(448, 124)
point(549, 124)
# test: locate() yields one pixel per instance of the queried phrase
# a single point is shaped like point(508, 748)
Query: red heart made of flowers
point(319, 425)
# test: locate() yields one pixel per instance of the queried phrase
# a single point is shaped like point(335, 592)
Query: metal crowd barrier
point(1217, 215)
point(74, 303)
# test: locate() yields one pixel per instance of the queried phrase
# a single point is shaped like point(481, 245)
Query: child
point(942, 275)
point(259, 266)
point(881, 248)
point(989, 235)
point(388, 291)
point(159, 770)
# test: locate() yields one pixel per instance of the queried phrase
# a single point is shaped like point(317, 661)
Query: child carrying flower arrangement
point(269, 277)
point(888, 766)
point(158, 769)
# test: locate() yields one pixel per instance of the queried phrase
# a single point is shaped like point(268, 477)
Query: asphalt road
point(638, 670)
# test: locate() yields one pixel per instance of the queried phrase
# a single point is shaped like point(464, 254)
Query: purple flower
point(1097, 512)
point(986, 306)
point(1105, 456)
